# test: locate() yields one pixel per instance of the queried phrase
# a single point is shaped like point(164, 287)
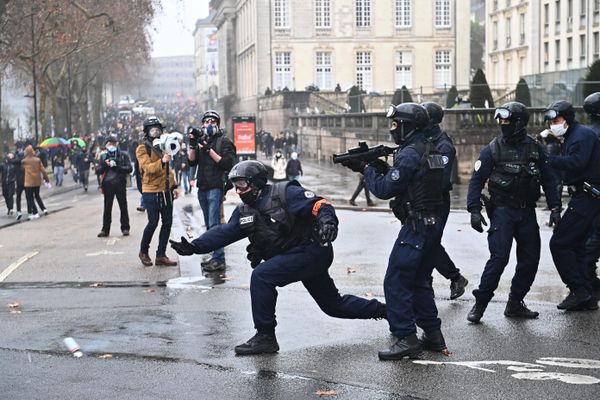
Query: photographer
point(158, 192)
point(113, 168)
point(214, 154)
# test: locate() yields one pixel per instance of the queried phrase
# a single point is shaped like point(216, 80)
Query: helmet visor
point(550, 114)
point(502, 113)
point(391, 111)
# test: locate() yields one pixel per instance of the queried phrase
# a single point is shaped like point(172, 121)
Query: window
point(403, 12)
point(283, 70)
point(596, 46)
point(557, 51)
point(546, 18)
point(363, 13)
point(546, 55)
point(557, 14)
point(323, 13)
point(508, 33)
point(364, 78)
point(596, 11)
point(403, 69)
point(582, 12)
point(570, 15)
point(443, 69)
point(582, 49)
point(442, 13)
point(323, 70)
point(495, 5)
point(495, 36)
point(569, 49)
point(281, 11)
point(522, 29)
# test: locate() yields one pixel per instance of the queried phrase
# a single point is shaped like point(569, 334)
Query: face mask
point(558, 129)
point(294, 156)
point(402, 132)
point(250, 196)
point(278, 155)
point(111, 149)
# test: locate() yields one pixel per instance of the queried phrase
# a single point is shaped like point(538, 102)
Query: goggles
point(241, 184)
point(550, 114)
point(211, 121)
point(502, 113)
point(391, 111)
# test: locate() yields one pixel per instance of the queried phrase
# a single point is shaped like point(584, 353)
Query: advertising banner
point(244, 134)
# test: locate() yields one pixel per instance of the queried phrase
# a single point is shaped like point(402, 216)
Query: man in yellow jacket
point(158, 192)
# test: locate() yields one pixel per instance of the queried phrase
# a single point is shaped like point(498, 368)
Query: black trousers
point(8, 191)
point(18, 197)
point(109, 197)
point(32, 194)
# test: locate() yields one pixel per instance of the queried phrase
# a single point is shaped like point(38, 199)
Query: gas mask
point(210, 130)
point(155, 132)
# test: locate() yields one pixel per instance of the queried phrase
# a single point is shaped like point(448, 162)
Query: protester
point(279, 164)
point(293, 169)
point(34, 169)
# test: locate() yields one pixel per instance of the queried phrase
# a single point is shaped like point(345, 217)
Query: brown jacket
point(153, 171)
point(33, 167)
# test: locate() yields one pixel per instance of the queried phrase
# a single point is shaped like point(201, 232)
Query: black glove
point(205, 146)
point(476, 221)
point(380, 166)
point(253, 255)
point(355, 165)
point(193, 135)
point(183, 248)
point(554, 217)
point(327, 232)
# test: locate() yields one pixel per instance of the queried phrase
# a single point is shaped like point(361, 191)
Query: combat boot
point(457, 287)
point(261, 343)
point(477, 311)
point(408, 346)
point(578, 301)
point(433, 341)
point(518, 309)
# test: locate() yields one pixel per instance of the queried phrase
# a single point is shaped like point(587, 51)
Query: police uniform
point(579, 163)
point(592, 244)
point(280, 228)
point(417, 188)
point(513, 174)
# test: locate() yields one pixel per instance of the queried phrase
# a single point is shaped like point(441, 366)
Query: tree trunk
point(96, 97)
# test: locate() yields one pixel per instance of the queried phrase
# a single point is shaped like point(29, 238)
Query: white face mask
point(111, 148)
point(559, 129)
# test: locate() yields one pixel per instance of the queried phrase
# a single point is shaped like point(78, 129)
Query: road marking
point(112, 241)
point(188, 282)
point(12, 267)
point(104, 253)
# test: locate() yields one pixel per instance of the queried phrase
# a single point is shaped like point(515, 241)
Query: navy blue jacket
point(485, 165)
point(299, 202)
point(580, 161)
point(444, 145)
point(407, 165)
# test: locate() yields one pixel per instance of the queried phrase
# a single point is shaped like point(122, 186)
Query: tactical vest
point(515, 179)
point(272, 229)
point(423, 199)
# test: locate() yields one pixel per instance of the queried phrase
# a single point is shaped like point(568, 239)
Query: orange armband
point(317, 206)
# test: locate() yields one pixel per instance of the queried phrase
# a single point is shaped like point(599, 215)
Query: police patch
point(445, 159)
point(395, 174)
point(308, 194)
point(246, 220)
point(477, 165)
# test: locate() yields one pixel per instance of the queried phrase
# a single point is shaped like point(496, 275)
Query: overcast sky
point(174, 27)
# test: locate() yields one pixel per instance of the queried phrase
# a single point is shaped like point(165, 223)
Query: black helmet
point(212, 114)
point(435, 111)
point(560, 108)
point(251, 170)
point(410, 117)
point(591, 104)
point(513, 111)
point(152, 122)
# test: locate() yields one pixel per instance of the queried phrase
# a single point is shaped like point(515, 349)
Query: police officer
point(514, 166)
point(443, 264)
point(415, 180)
point(580, 164)
point(290, 231)
point(591, 105)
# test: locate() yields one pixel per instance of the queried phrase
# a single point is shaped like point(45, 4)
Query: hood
point(29, 152)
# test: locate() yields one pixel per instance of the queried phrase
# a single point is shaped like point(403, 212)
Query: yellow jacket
point(152, 171)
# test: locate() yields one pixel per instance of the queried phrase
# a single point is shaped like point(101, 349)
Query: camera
point(168, 143)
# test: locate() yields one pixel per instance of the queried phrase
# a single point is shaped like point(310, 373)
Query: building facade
point(206, 62)
point(169, 78)
point(377, 45)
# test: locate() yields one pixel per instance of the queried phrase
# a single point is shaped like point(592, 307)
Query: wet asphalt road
point(172, 339)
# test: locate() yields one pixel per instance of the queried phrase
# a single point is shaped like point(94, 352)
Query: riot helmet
point(591, 105)
point(517, 116)
point(410, 118)
point(560, 108)
point(152, 127)
point(213, 115)
point(249, 173)
point(435, 111)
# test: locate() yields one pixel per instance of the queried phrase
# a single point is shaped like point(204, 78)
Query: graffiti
point(534, 372)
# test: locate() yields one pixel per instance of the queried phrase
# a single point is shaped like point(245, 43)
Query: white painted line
point(12, 267)
point(104, 253)
point(188, 282)
point(112, 241)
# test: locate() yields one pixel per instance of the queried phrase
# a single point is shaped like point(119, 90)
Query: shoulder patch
point(445, 159)
point(477, 165)
point(395, 175)
point(308, 194)
point(246, 220)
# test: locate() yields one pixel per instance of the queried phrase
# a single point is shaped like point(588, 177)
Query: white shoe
point(36, 216)
point(45, 211)
point(19, 215)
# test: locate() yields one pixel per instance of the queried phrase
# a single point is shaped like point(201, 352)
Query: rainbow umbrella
point(54, 142)
point(79, 141)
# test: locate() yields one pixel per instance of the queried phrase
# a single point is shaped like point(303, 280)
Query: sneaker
point(9, 212)
point(518, 309)
point(214, 265)
point(19, 215)
point(457, 287)
point(125, 232)
point(35, 216)
point(352, 202)
point(578, 302)
point(408, 346)
point(261, 343)
point(45, 211)
point(102, 234)
point(141, 209)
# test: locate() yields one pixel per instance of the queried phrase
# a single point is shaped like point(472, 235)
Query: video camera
point(168, 143)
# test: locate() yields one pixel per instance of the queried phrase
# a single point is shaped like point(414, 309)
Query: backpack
point(137, 171)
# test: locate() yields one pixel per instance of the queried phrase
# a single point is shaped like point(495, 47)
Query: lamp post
point(35, 114)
